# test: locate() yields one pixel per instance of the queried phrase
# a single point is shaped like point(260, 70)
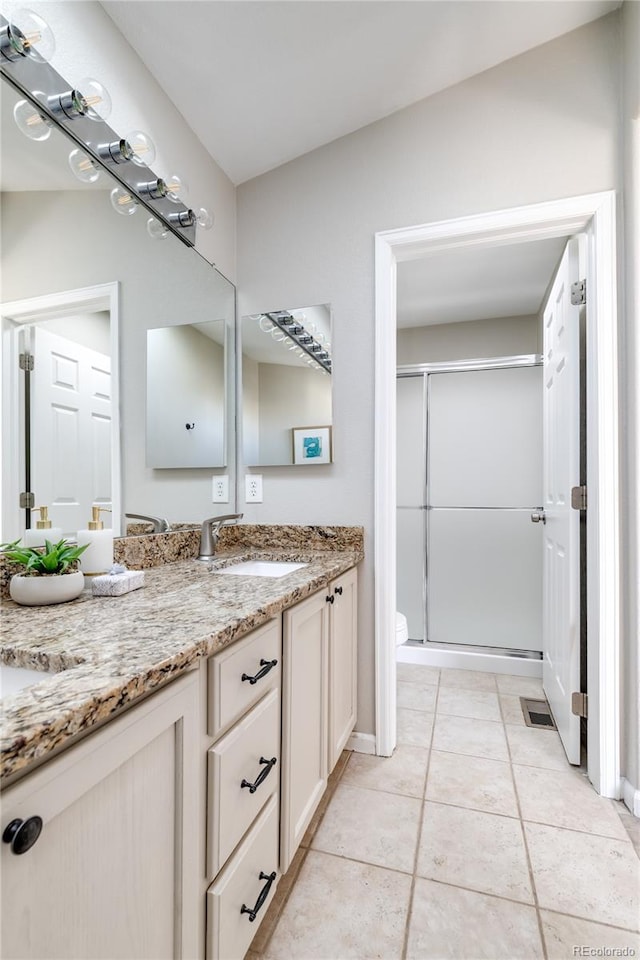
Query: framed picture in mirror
point(312, 445)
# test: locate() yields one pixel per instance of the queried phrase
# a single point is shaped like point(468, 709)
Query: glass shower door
point(411, 503)
point(484, 479)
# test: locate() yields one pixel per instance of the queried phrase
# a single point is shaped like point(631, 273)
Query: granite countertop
point(108, 651)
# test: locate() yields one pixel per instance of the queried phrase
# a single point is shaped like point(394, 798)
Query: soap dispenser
point(98, 557)
point(43, 530)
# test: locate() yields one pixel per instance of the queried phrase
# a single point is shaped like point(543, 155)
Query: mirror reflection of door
point(70, 426)
point(66, 417)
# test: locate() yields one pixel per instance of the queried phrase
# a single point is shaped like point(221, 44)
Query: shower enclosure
point(469, 462)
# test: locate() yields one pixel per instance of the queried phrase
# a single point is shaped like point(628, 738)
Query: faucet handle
point(218, 521)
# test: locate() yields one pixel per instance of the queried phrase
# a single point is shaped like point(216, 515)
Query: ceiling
point(476, 283)
point(264, 81)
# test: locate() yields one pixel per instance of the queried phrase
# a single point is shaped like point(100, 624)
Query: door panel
point(411, 573)
point(485, 579)
point(485, 438)
point(561, 532)
point(72, 419)
point(411, 442)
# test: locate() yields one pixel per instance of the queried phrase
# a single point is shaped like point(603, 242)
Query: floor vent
point(537, 713)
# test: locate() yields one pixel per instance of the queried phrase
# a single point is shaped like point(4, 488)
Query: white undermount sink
point(261, 568)
point(14, 679)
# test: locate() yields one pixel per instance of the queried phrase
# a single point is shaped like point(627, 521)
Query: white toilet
point(402, 631)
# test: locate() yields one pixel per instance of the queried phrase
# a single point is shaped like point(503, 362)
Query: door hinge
point(579, 498)
point(578, 292)
point(27, 501)
point(579, 704)
point(26, 361)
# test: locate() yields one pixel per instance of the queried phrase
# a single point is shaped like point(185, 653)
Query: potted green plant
point(51, 573)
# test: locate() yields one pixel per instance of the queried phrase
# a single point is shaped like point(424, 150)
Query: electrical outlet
point(220, 489)
point(253, 488)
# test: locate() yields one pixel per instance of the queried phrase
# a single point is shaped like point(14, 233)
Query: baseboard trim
point(469, 660)
point(362, 743)
point(631, 797)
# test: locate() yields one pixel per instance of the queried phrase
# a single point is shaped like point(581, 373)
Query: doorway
point(594, 215)
point(60, 416)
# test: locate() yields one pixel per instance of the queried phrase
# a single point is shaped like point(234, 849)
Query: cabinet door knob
point(338, 590)
point(262, 896)
point(262, 776)
point(331, 599)
point(266, 666)
point(22, 834)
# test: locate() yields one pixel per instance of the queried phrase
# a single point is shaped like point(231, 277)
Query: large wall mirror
point(82, 290)
point(286, 387)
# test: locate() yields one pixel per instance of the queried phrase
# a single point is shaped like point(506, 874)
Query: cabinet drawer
point(229, 930)
point(229, 695)
point(236, 759)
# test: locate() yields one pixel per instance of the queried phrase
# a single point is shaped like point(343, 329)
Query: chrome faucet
point(160, 525)
point(210, 533)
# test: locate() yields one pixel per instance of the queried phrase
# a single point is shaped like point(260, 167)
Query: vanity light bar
point(297, 333)
point(30, 75)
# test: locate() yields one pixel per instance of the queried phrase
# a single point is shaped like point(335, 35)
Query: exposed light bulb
point(177, 188)
point(156, 229)
point(265, 324)
point(95, 98)
point(27, 34)
point(122, 202)
point(204, 219)
point(277, 334)
point(35, 125)
point(143, 148)
point(83, 167)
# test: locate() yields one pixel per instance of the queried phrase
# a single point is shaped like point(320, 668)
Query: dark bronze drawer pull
point(330, 599)
point(262, 776)
point(266, 666)
point(262, 896)
point(338, 590)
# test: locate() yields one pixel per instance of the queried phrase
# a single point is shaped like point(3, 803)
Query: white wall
point(89, 329)
point(88, 44)
point(630, 370)
point(503, 337)
point(540, 126)
point(289, 397)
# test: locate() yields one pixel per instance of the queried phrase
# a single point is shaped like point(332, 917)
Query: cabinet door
point(343, 639)
point(304, 718)
point(112, 873)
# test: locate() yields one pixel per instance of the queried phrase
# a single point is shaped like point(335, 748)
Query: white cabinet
point(305, 704)
point(319, 701)
point(112, 873)
point(343, 662)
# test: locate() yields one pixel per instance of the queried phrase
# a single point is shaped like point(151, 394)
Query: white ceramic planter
point(38, 591)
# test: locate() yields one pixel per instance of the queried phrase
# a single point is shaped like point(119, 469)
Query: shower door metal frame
point(457, 366)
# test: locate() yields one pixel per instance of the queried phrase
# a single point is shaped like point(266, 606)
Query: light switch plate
point(253, 488)
point(220, 489)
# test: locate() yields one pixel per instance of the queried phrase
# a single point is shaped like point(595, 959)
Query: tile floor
point(475, 840)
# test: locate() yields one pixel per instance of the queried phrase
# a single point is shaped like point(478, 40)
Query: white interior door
point(71, 430)
point(561, 530)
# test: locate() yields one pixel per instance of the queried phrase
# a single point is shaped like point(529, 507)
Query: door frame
point(595, 215)
point(13, 315)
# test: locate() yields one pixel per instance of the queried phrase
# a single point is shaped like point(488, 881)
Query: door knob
point(22, 834)
point(538, 516)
